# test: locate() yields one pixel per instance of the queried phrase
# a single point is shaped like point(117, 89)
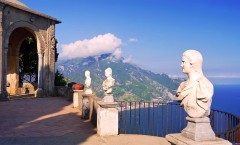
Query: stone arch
point(29, 30)
point(32, 28)
point(14, 15)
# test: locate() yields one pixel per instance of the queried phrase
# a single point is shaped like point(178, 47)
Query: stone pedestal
point(88, 91)
point(77, 98)
point(198, 129)
point(108, 98)
point(197, 132)
point(107, 118)
point(179, 139)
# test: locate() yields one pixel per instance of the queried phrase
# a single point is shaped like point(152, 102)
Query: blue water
point(227, 98)
point(162, 119)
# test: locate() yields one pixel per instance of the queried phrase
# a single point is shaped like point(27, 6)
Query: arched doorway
point(19, 23)
point(22, 62)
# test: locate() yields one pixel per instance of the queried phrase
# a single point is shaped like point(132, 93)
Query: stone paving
point(54, 121)
point(41, 118)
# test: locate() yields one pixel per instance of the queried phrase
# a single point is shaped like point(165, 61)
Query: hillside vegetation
point(132, 82)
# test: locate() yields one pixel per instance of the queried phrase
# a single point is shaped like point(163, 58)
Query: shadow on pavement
point(42, 121)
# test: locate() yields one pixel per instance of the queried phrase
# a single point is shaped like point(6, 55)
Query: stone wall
point(42, 28)
point(62, 91)
point(103, 115)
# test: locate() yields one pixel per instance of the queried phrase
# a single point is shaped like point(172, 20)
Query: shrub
point(60, 80)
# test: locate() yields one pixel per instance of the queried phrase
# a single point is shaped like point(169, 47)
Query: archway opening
point(28, 64)
point(22, 63)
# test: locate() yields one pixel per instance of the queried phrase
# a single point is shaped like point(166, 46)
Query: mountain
point(131, 82)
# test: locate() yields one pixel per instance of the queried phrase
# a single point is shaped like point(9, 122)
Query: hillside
point(132, 82)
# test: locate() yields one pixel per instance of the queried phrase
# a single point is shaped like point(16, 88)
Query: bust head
point(192, 61)
point(108, 72)
point(87, 73)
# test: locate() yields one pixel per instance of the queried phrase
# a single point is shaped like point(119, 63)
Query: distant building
point(17, 23)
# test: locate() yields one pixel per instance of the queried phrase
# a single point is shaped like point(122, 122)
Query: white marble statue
point(88, 89)
point(196, 92)
point(108, 86)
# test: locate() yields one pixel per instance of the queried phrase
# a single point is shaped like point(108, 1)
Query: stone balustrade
point(87, 104)
point(103, 115)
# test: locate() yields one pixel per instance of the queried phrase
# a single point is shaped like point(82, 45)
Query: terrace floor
point(54, 121)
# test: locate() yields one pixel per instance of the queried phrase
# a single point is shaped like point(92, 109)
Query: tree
point(28, 61)
point(54, 46)
point(60, 80)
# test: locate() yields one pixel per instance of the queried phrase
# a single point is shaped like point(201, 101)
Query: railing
point(159, 119)
point(226, 125)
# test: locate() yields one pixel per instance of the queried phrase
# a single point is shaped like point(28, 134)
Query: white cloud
point(224, 76)
point(129, 60)
point(217, 76)
point(100, 44)
point(132, 40)
point(117, 53)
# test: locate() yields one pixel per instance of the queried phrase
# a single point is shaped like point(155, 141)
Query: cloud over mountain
point(132, 40)
point(132, 82)
point(106, 43)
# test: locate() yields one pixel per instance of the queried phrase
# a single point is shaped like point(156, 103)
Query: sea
point(160, 120)
point(227, 98)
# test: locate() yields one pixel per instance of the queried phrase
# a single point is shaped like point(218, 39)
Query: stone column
point(77, 98)
point(5, 69)
point(39, 91)
point(4, 94)
point(107, 118)
point(51, 57)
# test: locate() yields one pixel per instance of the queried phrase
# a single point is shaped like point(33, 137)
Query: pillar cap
point(107, 104)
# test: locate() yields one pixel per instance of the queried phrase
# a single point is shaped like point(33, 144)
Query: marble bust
point(195, 94)
point(108, 86)
point(88, 83)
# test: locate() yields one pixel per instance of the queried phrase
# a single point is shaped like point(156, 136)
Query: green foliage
point(118, 91)
point(59, 79)
point(28, 60)
point(131, 82)
point(164, 79)
point(55, 48)
point(128, 98)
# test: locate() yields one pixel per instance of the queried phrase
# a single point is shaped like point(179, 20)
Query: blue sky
point(154, 33)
